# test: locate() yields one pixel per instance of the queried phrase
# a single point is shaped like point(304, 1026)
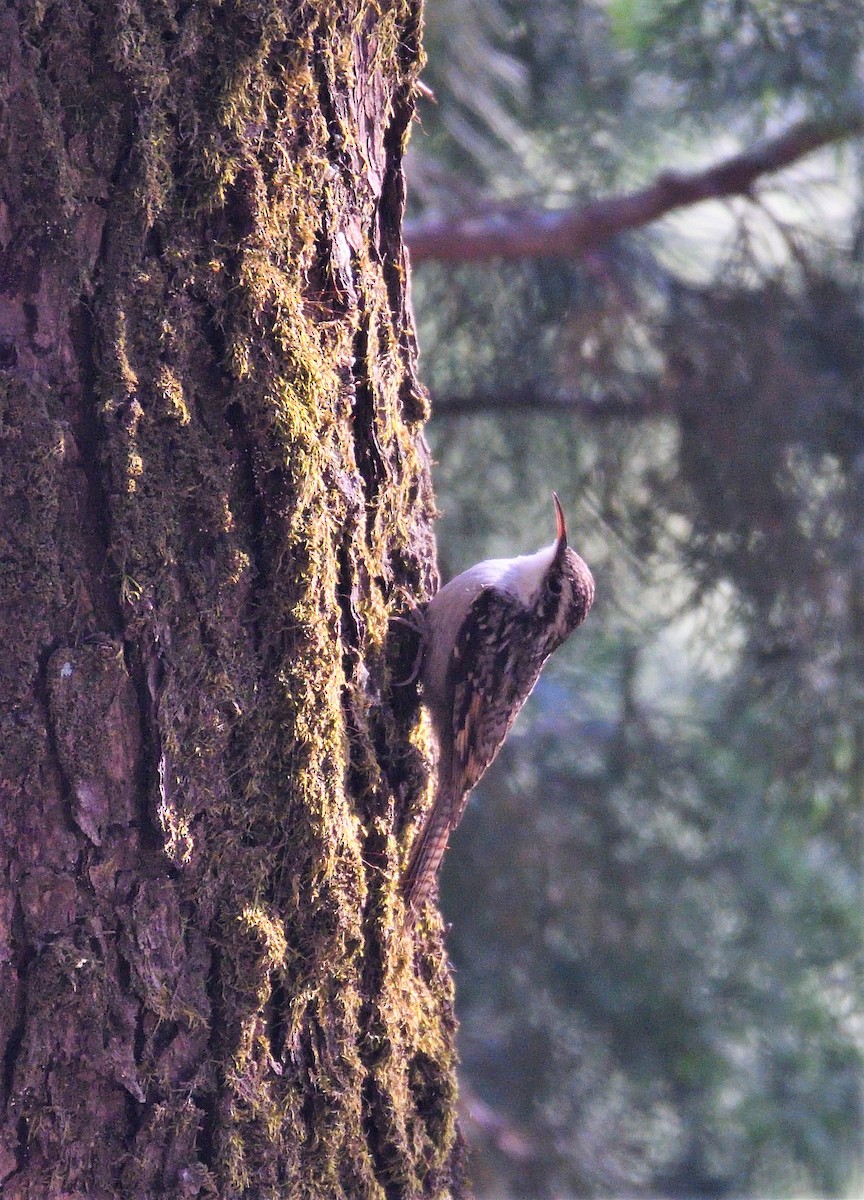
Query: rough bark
point(214, 495)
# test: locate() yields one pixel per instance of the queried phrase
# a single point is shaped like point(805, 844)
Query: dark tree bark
point(214, 494)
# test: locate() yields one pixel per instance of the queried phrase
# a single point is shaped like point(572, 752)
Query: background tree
point(214, 489)
point(656, 892)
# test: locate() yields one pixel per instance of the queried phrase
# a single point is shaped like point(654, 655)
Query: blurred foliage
point(656, 891)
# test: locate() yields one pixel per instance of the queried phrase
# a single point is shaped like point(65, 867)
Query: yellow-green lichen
point(261, 486)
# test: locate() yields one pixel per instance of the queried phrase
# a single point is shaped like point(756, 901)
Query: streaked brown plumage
point(488, 634)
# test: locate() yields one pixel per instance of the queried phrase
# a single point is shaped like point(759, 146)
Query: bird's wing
point(491, 674)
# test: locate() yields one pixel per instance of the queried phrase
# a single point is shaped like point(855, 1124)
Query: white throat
point(522, 576)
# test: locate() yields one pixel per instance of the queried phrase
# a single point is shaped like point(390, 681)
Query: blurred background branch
point(497, 232)
point(656, 891)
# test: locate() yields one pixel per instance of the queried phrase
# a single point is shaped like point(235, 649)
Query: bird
point(487, 634)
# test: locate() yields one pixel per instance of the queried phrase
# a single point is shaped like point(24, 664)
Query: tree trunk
point(214, 494)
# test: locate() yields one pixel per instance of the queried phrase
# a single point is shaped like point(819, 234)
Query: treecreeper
point(487, 634)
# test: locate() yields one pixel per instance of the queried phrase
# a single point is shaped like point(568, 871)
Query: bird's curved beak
point(559, 519)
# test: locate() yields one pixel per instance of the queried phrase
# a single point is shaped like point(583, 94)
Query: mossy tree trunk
point(214, 495)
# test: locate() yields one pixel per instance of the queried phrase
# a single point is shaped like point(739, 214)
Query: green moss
point(260, 480)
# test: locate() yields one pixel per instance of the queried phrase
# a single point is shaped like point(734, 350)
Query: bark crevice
point(214, 503)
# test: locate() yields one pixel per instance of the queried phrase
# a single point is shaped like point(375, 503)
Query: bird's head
point(568, 587)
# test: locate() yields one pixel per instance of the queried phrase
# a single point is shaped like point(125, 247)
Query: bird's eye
point(555, 585)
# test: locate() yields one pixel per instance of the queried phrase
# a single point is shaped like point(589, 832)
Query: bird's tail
point(426, 855)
